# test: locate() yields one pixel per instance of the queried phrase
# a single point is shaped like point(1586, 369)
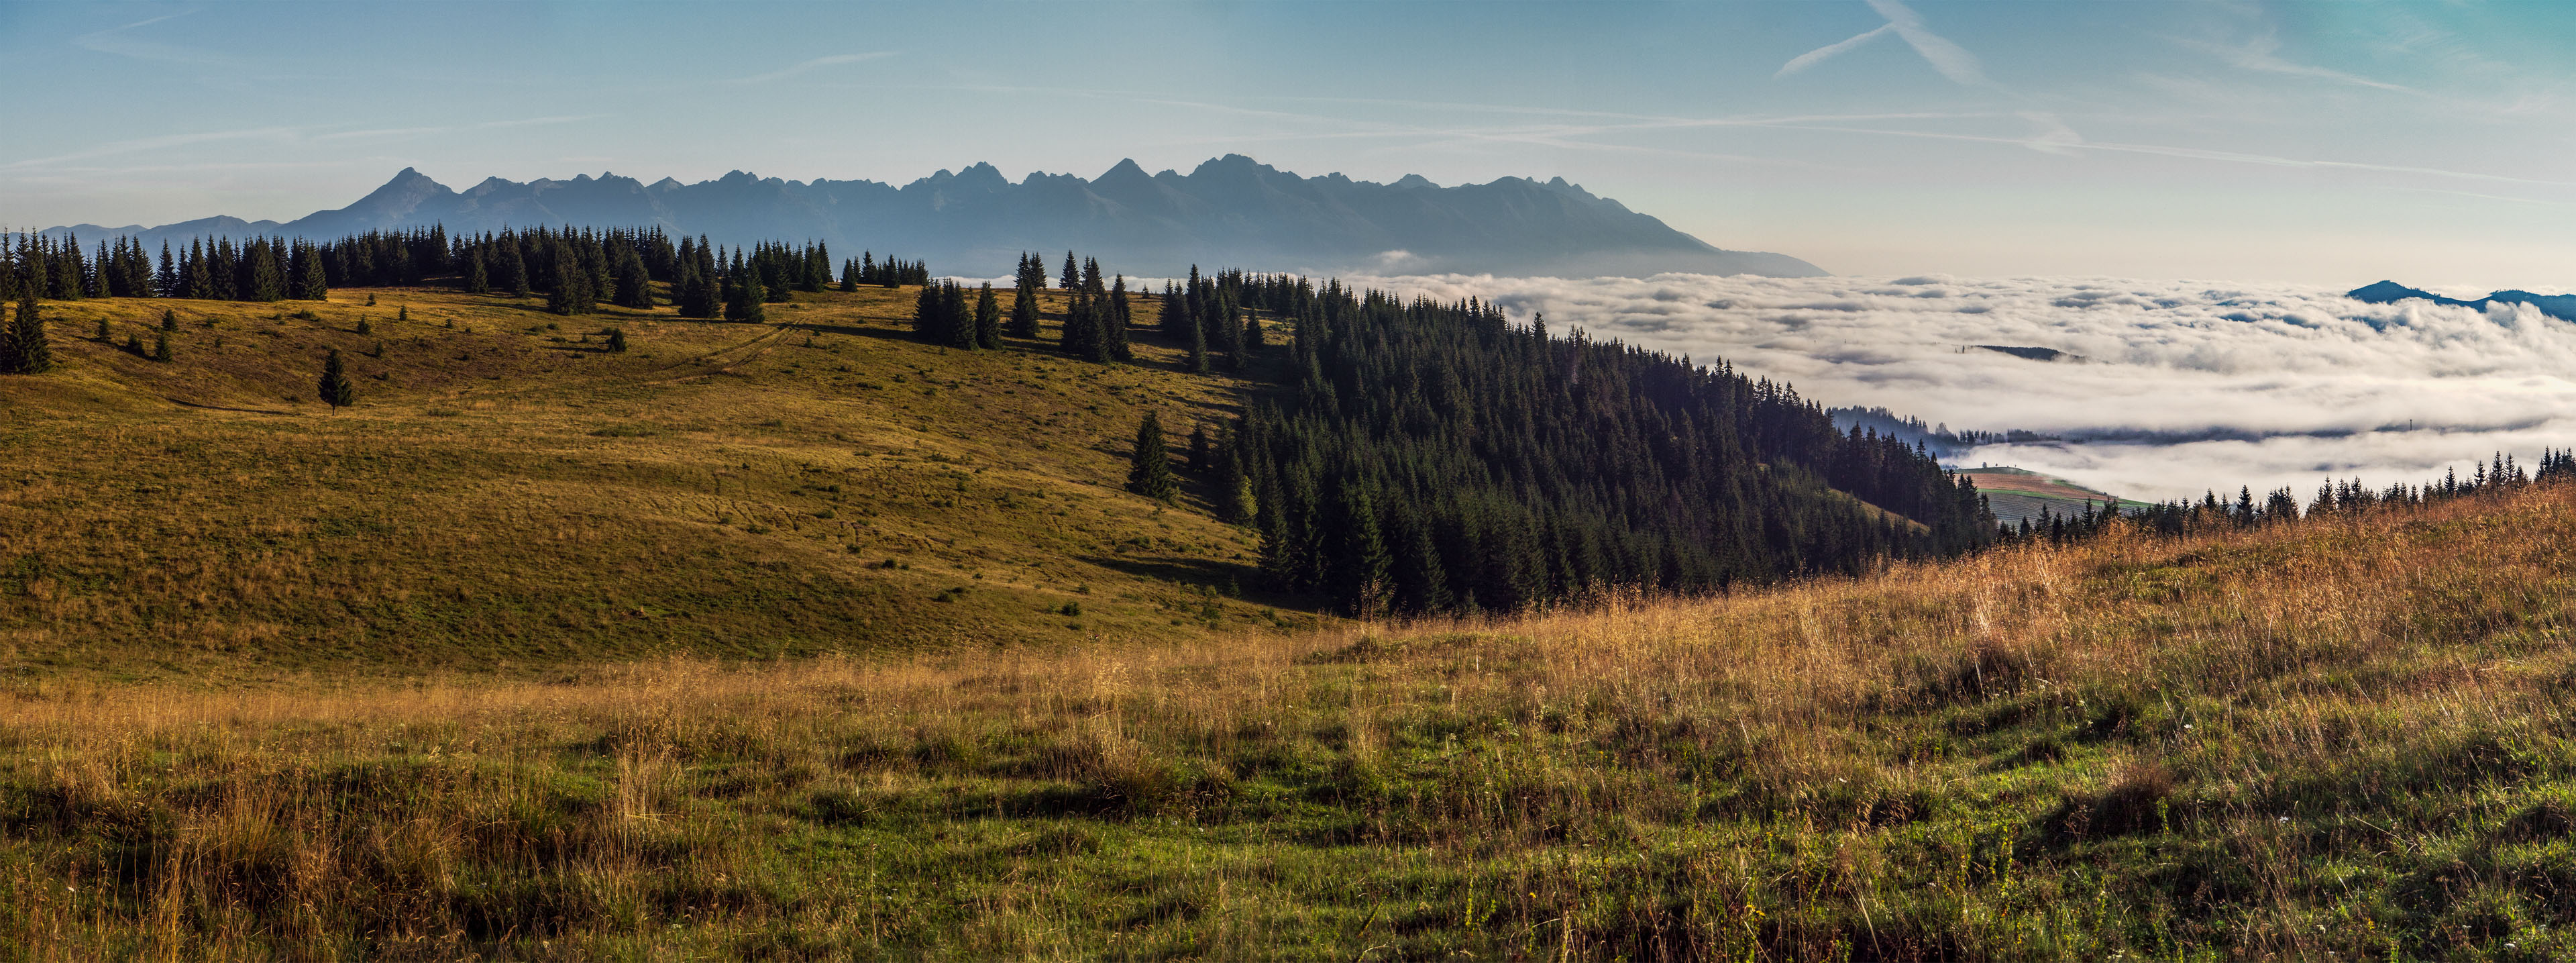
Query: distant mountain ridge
point(2560, 306)
point(1231, 211)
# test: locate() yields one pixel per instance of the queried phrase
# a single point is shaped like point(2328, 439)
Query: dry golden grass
point(2347, 738)
point(509, 495)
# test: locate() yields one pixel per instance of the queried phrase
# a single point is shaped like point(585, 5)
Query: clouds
point(814, 64)
point(1949, 59)
point(2186, 385)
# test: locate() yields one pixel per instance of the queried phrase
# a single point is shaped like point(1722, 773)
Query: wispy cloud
point(122, 42)
point(1820, 54)
point(1949, 59)
point(163, 142)
point(817, 63)
point(2262, 55)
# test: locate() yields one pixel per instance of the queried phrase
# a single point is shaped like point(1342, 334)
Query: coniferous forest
point(1398, 457)
point(1418, 458)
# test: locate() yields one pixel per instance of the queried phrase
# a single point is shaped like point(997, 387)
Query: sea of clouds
point(2182, 387)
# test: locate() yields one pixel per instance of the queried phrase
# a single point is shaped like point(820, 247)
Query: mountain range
point(1231, 211)
point(2560, 306)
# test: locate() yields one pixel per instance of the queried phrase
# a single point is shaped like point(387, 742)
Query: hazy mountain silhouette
point(2560, 306)
point(1231, 211)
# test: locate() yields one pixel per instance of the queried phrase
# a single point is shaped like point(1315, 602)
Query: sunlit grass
point(2345, 737)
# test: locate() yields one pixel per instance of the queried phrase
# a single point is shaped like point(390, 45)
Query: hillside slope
point(2347, 738)
point(509, 493)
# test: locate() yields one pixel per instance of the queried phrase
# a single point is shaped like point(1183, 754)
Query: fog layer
point(2177, 386)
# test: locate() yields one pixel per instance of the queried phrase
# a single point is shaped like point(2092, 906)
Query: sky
point(2324, 144)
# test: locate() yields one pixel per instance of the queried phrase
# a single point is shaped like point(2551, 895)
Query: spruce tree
point(1198, 348)
point(956, 323)
point(1149, 470)
point(336, 389)
point(745, 305)
point(988, 318)
point(1024, 309)
point(161, 347)
point(267, 281)
point(927, 319)
point(317, 282)
point(27, 352)
point(477, 279)
point(169, 320)
point(514, 267)
point(617, 340)
point(1358, 566)
point(1113, 322)
point(634, 283)
point(1072, 273)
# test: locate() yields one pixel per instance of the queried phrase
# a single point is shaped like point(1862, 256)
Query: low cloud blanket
point(2174, 387)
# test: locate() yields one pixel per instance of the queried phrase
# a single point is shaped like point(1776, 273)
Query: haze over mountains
point(1231, 211)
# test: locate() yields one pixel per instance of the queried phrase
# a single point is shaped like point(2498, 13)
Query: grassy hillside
point(509, 494)
point(2339, 739)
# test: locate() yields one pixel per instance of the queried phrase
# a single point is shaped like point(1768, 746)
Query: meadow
point(617, 715)
point(511, 494)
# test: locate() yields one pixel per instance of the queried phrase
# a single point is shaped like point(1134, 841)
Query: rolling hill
point(508, 493)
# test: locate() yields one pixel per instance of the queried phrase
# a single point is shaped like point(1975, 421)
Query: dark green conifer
point(634, 283)
point(745, 305)
point(267, 280)
point(617, 340)
point(336, 389)
point(1358, 567)
point(514, 267)
point(988, 318)
point(1149, 471)
point(1072, 273)
point(316, 284)
point(25, 350)
point(1198, 348)
point(169, 320)
point(955, 322)
point(1024, 309)
point(161, 346)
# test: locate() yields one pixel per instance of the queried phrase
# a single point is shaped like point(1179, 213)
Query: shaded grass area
point(2348, 736)
point(509, 494)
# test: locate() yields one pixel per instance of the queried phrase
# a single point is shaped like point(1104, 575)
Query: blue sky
point(2323, 143)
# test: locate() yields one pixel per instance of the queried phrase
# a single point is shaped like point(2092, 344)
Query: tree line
point(1417, 457)
point(575, 268)
point(2333, 497)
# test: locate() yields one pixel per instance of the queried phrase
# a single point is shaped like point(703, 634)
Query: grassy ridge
point(2349, 736)
point(510, 494)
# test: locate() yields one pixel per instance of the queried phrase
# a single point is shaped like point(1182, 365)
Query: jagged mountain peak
point(1231, 210)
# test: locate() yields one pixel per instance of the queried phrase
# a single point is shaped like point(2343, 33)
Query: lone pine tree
point(1149, 471)
point(336, 389)
point(617, 339)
